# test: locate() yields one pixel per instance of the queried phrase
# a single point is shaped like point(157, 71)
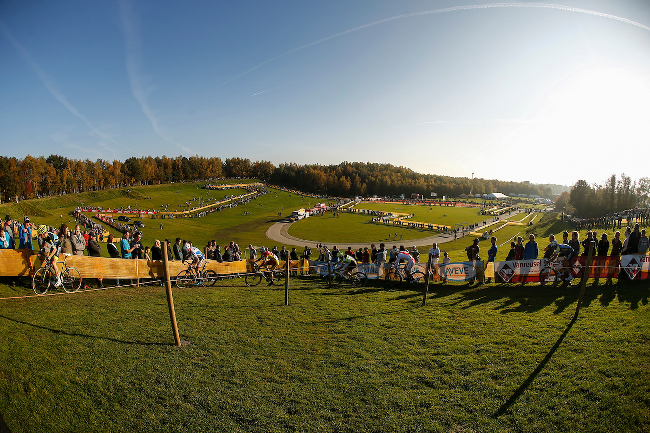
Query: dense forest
point(53, 175)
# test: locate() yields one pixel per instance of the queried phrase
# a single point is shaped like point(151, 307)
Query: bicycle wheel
point(393, 278)
point(210, 277)
point(184, 279)
point(417, 277)
point(359, 278)
point(548, 276)
point(71, 279)
point(253, 279)
point(41, 280)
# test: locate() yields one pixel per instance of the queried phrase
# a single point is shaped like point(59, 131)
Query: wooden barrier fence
point(21, 263)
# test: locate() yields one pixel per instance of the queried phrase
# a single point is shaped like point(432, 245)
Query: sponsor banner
point(518, 271)
point(461, 271)
point(636, 266)
point(601, 267)
point(373, 271)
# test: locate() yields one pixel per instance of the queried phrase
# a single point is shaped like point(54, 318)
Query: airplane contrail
point(438, 11)
point(51, 86)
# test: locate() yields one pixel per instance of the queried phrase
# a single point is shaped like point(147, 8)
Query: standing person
point(4, 242)
point(511, 253)
point(633, 244)
point(138, 248)
point(125, 245)
point(575, 243)
point(178, 254)
point(473, 251)
point(381, 254)
point(531, 250)
point(492, 253)
point(78, 242)
point(589, 243)
point(445, 261)
point(519, 248)
point(9, 233)
point(603, 246)
point(550, 248)
point(626, 242)
point(252, 253)
point(617, 245)
point(25, 235)
point(643, 243)
point(217, 254)
point(416, 254)
point(373, 253)
point(111, 248)
point(434, 256)
point(365, 257)
point(156, 251)
point(95, 250)
point(64, 238)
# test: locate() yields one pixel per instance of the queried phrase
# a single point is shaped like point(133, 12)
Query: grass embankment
point(474, 359)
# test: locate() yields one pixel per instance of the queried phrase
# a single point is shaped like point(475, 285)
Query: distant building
point(495, 196)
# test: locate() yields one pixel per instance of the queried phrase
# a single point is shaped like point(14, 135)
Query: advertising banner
point(518, 271)
point(635, 266)
point(461, 271)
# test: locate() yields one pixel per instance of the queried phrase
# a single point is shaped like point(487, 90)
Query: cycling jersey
point(564, 250)
point(268, 256)
point(403, 255)
point(194, 252)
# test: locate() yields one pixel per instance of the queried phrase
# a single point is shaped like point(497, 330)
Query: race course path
point(279, 232)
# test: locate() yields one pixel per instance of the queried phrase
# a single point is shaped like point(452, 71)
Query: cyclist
point(405, 256)
point(195, 255)
point(566, 252)
point(268, 260)
point(346, 264)
point(48, 251)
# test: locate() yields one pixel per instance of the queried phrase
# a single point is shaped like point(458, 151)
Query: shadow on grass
point(3, 426)
point(77, 334)
point(522, 388)
point(532, 297)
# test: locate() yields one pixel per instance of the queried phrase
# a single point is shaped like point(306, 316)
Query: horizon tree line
point(41, 176)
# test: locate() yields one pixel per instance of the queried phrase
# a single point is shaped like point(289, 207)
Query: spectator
point(64, 239)
point(511, 253)
point(156, 251)
point(643, 243)
point(252, 252)
point(519, 248)
point(138, 248)
point(147, 253)
point(550, 248)
point(294, 254)
point(626, 241)
point(617, 245)
point(473, 251)
point(9, 233)
point(306, 254)
point(373, 253)
point(78, 242)
point(381, 254)
point(603, 245)
point(531, 250)
point(416, 254)
point(217, 254)
point(365, 255)
point(170, 254)
point(445, 261)
point(125, 246)
point(633, 244)
point(25, 235)
point(227, 256)
point(94, 249)
point(589, 243)
point(434, 256)
point(4, 241)
point(178, 254)
point(575, 243)
point(393, 253)
point(111, 248)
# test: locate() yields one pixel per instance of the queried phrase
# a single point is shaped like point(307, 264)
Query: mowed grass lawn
point(436, 215)
point(487, 359)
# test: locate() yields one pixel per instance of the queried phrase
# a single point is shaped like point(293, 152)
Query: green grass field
point(487, 359)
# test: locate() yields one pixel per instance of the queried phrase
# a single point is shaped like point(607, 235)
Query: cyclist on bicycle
point(404, 255)
point(564, 251)
point(48, 251)
point(195, 255)
point(268, 260)
point(346, 264)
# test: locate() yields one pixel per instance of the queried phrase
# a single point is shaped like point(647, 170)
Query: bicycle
point(395, 275)
point(255, 278)
point(190, 277)
point(338, 276)
point(45, 277)
point(553, 273)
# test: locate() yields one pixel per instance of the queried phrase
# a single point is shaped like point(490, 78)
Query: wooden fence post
point(286, 282)
point(426, 281)
point(170, 299)
point(585, 275)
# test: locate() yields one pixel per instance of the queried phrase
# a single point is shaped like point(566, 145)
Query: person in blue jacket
point(531, 250)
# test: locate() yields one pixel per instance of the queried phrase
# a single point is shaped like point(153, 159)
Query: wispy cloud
point(512, 121)
point(134, 70)
point(52, 87)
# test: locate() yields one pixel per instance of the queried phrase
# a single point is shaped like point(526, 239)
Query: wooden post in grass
point(426, 281)
point(170, 299)
point(286, 283)
point(585, 275)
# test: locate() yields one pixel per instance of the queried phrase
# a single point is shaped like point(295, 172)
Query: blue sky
point(545, 92)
